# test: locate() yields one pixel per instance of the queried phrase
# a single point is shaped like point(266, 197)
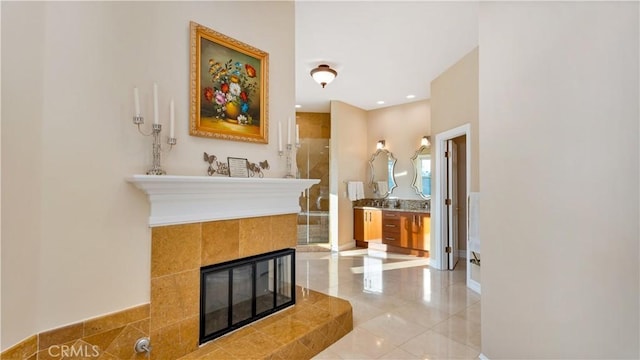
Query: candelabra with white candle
point(289, 146)
point(156, 128)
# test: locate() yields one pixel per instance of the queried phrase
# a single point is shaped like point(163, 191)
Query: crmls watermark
point(83, 351)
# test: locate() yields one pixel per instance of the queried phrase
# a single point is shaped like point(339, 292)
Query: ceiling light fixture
point(410, 96)
point(323, 74)
point(380, 102)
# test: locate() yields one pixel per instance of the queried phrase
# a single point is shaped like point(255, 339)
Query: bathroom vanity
point(406, 231)
point(388, 223)
point(403, 230)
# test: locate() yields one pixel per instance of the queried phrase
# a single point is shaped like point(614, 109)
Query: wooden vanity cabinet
point(393, 228)
point(420, 231)
point(406, 232)
point(367, 225)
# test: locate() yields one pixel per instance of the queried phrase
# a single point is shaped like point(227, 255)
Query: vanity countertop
point(422, 211)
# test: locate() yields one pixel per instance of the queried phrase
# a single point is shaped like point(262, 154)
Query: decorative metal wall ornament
point(215, 166)
point(256, 169)
point(222, 168)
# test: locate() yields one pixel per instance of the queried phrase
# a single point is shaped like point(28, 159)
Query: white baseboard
point(483, 357)
point(473, 285)
point(346, 246)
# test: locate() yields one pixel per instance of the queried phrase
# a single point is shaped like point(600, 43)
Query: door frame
point(439, 240)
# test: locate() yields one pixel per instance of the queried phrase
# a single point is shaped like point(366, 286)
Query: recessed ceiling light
point(298, 106)
point(380, 102)
point(410, 96)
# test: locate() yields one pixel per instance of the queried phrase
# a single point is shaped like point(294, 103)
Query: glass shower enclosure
point(312, 160)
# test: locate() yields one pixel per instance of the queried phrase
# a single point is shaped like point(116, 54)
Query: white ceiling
point(382, 50)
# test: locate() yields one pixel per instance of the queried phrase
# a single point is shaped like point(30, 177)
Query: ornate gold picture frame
point(229, 88)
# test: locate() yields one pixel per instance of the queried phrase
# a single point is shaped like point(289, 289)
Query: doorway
point(450, 195)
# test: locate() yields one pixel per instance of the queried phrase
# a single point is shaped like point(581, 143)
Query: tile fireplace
point(200, 228)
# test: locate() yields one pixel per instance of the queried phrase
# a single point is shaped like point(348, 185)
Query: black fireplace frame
point(230, 265)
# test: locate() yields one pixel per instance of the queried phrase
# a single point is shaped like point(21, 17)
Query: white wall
point(0, 192)
point(454, 103)
point(559, 173)
point(21, 173)
point(74, 229)
point(402, 127)
point(348, 151)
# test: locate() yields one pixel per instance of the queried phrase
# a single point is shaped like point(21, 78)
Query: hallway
point(402, 309)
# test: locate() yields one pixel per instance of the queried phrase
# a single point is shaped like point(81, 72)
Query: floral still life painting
point(228, 88)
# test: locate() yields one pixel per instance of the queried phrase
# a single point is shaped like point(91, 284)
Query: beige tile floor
point(402, 309)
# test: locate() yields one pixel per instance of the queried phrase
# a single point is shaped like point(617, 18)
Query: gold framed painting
point(229, 88)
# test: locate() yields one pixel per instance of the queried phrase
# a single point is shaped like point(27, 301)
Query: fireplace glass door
point(236, 293)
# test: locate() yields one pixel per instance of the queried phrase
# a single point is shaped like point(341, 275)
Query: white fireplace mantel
point(190, 199)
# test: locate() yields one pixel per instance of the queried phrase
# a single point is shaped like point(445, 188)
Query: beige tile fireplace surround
point(180, 245)
point(179, 251)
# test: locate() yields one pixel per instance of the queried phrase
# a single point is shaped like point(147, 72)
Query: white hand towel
point(473, 232)
point(352, 190)
point(359, 190)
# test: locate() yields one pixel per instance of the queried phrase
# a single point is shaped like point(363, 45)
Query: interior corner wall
point(21, 170)
point(559, 162)
point(0, 191)
point(76, 231)
point(402, 127)
point(347, 153)
point(454, 102)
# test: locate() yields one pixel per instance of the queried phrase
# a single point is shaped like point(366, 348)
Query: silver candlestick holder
point(156, 168)
point(289, 153)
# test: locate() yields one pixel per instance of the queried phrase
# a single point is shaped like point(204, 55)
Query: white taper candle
point(172, 111)
point(155, 103)
point(136, 100)
point(279, 135)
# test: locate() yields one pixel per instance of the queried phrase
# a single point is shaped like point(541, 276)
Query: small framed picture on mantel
point(238, 167)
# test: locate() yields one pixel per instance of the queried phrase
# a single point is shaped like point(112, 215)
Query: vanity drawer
point(391, 225)
point(391, 214)
point(393, 238)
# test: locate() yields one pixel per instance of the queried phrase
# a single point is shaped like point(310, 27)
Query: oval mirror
point(421, 161)
point(382, 165)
